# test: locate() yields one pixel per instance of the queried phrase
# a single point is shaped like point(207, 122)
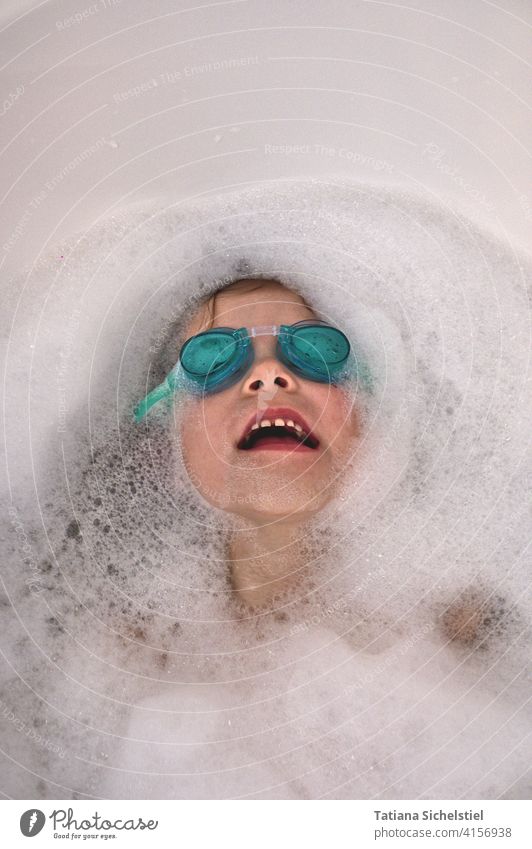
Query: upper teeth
point(277, 423)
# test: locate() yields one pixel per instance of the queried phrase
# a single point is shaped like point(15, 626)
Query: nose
point(268, 375)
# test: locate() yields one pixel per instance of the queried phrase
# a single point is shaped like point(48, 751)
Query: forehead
point(250, 303)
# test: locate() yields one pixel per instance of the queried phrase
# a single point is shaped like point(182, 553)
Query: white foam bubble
point(124, 641)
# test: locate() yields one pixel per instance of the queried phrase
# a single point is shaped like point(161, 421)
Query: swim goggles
point(216, 359)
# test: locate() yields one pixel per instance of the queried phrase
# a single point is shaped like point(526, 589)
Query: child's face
point(274, 478)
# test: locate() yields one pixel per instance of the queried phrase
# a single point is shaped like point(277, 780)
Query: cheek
point(204, 443)
point(349, 420)
point(339, 418)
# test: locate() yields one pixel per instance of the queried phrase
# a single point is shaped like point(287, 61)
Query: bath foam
point(120, 618)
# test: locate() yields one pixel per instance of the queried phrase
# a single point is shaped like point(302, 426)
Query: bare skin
point(472, 618)
point(266, 563)
point(273, 489)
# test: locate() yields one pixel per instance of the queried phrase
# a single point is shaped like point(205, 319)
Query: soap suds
point(398, 667)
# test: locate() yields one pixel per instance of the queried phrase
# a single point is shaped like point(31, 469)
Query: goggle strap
point(153, 397)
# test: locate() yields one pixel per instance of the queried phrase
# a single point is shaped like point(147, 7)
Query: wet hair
point(209, 303)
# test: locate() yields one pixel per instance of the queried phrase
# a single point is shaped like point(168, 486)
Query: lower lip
point(279, 445)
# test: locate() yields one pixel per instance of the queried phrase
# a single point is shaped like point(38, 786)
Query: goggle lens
point(207, 353)
point(323, 348)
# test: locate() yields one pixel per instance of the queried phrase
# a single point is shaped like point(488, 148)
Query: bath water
point(128, 669)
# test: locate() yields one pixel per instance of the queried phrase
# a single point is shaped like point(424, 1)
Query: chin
point(290, 504)
point(258, 517)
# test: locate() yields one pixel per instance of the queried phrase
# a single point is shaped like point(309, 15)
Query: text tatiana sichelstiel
point(429, 815)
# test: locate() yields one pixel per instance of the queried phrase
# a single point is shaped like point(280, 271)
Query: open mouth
point(278, 430)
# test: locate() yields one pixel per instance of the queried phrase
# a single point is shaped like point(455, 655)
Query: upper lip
point(273, 413)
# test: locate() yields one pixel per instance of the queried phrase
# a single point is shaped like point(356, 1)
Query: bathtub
point(109, 103)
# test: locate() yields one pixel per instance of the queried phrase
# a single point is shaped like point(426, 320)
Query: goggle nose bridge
point(265, 330)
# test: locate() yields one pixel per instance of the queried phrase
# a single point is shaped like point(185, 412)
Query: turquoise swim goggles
point(218, 358)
